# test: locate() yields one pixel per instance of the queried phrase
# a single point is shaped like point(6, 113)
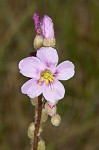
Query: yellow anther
point(51, 80)
point(47, 77)
point(47, 81)
point(41, 79)
point(52, 77)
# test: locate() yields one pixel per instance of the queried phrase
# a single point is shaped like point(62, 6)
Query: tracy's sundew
point(44, 86)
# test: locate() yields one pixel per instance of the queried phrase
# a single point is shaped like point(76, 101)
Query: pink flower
point(44, 27)
point(45, 74)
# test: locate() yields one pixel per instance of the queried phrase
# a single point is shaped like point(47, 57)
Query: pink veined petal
point(47, 27)
point(54, 91)
point(48, 56)
point(31, 88)
point(65, 70)
point(31, 67)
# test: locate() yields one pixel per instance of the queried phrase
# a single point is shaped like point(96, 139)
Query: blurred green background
point(76, 25)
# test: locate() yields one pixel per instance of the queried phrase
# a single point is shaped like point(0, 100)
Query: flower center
point(47, 77)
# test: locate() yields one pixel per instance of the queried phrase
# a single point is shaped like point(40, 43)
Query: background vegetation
point(76, 25)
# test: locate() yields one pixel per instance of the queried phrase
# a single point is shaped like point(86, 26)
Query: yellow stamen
point(41, 79)
point(47, 81)
point(52, 77)
point(51, 80)
point(47, 77)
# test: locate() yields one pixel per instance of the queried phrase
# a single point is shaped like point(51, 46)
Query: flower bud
point(41, 145)
point(50, 110)
point(49, 42)
point(56, 120)
point(34, 101)
point(38, 42)
point(30, 131)
point(40, 130)
point(44, 116)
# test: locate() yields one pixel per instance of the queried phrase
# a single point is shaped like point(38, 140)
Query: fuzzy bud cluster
point(50, 110)
point(44, 32)
point(30, 131)
point(41, 145)
point(39, 42)
point(34, 102)
point(56, 120)
point(44, 116)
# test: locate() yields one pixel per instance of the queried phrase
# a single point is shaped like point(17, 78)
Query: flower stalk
point(38, 121)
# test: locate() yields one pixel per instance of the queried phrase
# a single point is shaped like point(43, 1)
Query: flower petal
point(47, 27)
point(54, 91)
point(65, 70)
point(31, 67)
point(48, 56)
point(31, 88)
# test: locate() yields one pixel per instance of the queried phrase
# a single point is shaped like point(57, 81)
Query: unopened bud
point(44, 116)
point(34, 101)
point(56, 120)
point(30, 131)
point(50, 110)
point(49, 42)
point(40, 130)
point(41, 145)
point(38, 42)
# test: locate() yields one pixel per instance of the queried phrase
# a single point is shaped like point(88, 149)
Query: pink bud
point(50, 110)
point(47, 27)
point(37, 23)
point(44, 27)
point(36, 20)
